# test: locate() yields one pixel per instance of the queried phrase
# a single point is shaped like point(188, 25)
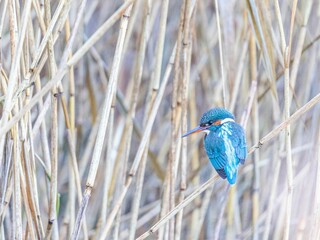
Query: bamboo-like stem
point(28, 187)
point(44, 138)
point(256, 175)
point(197, 215)
point(3, 15)
point(29, 209)
point(286, 59)
point(119, 185)
point(108, 171)
point(137, 80)
point(152, 92)
point(5, 176)
point(288, 150)
point(54, 132)
point(54, 167)
point(187, 50)
point(223, 79)
point(17, 218)
point(72, 194)
point(33, 181)
point(17, 207)
point(175, 120)
point(169, 185)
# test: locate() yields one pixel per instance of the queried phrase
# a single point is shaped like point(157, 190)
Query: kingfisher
point(224, 142)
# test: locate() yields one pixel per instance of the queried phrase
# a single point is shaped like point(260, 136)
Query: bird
point(224, 141)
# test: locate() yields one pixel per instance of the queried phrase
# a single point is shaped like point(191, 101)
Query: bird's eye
point(206, 125)
point(210, 122)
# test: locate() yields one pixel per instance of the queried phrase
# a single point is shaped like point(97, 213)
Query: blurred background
point(95, 96)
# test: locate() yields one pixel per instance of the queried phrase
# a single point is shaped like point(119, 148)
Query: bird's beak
point(192, 131)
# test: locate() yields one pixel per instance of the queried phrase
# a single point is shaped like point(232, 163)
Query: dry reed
point(95, 96)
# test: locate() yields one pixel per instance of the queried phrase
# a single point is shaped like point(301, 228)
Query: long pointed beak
point(192, 131)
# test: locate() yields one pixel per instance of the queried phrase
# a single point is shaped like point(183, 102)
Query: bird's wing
point(238, 140)
point(216, 152)
point(226, 150)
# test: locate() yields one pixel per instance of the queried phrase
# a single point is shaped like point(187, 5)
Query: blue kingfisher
point(225, 142)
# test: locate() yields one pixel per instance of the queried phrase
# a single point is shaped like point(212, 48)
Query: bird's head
point(212, 120)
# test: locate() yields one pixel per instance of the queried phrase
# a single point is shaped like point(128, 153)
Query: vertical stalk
point(196, 213)
point(54, 133)
point(169, 186)
point(108, 170)
point(256, 137)
point(286, 59)
point(155, 82)
point(288, 148)
point(121, 178)
point(224, 84)
point(17, 208)
point(186, 62)
point(137, 79)
point(72, 184)
point(54, 166)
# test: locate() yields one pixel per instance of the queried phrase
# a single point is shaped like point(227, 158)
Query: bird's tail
point(232, 175)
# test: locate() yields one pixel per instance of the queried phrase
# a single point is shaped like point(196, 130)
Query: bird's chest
point(220, 141)
point(225, 132)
